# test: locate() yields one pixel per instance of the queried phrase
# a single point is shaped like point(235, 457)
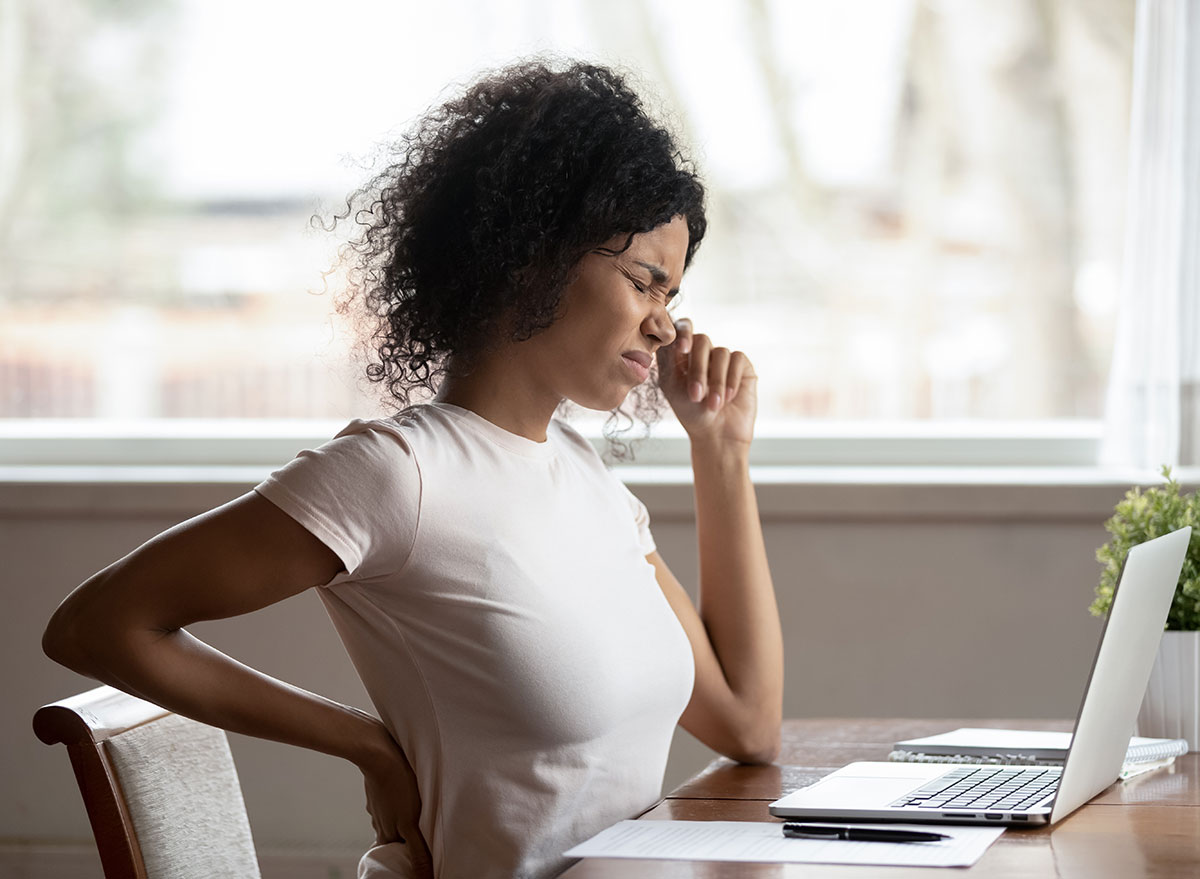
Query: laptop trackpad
point(849, 792)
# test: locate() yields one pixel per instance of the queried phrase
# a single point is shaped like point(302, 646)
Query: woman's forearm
point(737, 599)
point(183, 674)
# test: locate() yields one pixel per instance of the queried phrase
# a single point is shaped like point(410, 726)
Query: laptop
point(975, 793)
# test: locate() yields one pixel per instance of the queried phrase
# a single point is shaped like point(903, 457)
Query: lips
point(639, 362)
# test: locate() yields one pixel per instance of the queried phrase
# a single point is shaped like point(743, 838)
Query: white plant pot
point(1171, 707)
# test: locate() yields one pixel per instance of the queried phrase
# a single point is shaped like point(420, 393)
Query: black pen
point(859, 834)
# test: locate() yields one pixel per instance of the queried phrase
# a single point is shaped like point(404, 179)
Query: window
point(915, 205)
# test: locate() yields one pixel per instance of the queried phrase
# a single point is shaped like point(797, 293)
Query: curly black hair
point(490, 201)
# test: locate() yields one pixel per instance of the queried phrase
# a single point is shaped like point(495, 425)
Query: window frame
point(175, 443)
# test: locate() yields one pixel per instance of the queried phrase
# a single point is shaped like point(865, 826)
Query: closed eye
point(668, 299)
point(643, 288)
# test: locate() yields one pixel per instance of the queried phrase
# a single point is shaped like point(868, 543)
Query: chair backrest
point(161, 790)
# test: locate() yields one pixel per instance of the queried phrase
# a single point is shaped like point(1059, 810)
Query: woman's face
point(614, 319)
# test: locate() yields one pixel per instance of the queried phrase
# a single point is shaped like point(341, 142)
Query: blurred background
point(917, 213)
point(916, 205)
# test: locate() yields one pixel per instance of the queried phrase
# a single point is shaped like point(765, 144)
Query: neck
point(498, 390)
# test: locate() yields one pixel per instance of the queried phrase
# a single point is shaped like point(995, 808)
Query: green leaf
point(1143, 515)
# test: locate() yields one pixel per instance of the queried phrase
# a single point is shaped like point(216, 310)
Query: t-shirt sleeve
point(359, 494)
point(641, 517)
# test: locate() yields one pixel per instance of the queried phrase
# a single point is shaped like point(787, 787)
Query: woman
point(527, 649)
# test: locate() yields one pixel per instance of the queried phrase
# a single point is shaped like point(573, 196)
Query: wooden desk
point(1145, 827)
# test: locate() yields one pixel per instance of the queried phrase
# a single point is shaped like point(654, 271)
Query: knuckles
point(703, 355)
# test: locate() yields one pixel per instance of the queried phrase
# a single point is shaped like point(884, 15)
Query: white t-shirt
point(498, 605)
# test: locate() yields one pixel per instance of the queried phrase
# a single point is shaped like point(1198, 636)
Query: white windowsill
point(220, 443)
point(1029, 470)
point(1027, 493)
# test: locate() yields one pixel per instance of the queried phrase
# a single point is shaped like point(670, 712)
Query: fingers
point(388, 830)
point(399, 833)
point(393, 803)
point(705, 374)
point(421, 858)
point(713, 374)
point(706, 380)
point(672, 359)
point(739, 373)
point(683, 335)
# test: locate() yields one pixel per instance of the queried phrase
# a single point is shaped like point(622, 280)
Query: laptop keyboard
point(987, 787)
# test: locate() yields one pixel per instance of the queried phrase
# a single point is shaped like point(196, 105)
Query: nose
point(659, 327)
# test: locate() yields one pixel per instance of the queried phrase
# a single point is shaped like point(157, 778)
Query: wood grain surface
point(1148, 826)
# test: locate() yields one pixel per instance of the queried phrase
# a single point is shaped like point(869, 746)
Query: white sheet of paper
point(764, 842)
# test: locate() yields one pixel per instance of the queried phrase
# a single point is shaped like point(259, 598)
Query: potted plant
point(1171, 708)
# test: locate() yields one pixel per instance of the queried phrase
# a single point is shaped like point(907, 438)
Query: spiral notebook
point(1020, 747)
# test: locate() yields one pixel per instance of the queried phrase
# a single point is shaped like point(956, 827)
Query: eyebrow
point(657, 274)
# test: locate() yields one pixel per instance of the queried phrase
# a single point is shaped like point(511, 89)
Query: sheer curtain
point(1152, 412)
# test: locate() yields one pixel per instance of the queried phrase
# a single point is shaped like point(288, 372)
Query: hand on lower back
point(394, 804)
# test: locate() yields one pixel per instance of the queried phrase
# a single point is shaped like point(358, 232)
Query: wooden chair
point(161, 790)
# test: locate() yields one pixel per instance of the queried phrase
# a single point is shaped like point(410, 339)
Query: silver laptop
point(1027, 795)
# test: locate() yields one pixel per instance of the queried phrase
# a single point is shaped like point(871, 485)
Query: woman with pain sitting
point(527, 650)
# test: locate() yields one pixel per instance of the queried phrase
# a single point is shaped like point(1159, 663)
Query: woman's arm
point(737, 701)
point(124, 626)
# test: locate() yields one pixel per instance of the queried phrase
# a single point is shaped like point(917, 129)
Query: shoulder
point(573, 442)
point(580, 449)
point(605, 480)
point(384, 433)
point(361, 447)
point(367, 458)
point(403, 434)
point(359, 493)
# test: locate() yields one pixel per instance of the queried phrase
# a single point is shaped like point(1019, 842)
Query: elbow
point(757, 740)
point(92, 636)
point(747, 733)
point(759, 749)
point(98, 631)
point(79, 637)
point(61, 641)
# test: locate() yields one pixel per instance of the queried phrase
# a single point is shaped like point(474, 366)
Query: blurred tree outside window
point(915, 205)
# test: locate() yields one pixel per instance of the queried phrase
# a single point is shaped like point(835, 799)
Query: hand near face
point(714, 391)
